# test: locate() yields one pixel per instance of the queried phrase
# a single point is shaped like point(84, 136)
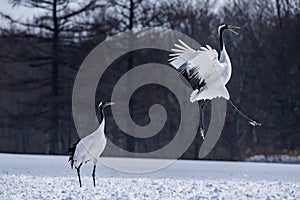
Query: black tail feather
point(192, 77)
point(71, 152)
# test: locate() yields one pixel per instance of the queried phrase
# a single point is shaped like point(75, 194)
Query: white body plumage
point(90, 147)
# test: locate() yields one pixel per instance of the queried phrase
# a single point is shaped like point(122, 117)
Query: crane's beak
point(109, 103)
point(104, 104)
point(233, 28)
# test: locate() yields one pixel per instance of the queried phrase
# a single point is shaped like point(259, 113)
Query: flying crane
point(207, 74)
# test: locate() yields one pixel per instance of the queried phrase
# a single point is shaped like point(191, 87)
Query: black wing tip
point(71, 152)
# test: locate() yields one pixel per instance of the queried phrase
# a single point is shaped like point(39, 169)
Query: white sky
point(24, 13)
point(17, 12)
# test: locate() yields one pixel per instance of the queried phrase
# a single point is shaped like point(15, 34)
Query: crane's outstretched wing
point(201, 68)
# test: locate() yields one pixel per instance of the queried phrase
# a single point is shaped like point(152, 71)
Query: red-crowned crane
point(91, 146)
point(207, 74)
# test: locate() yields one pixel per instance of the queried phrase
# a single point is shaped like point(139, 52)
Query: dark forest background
point(39, 59)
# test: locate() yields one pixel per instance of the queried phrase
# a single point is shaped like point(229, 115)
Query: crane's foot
point(254, 123)
point(202, 133)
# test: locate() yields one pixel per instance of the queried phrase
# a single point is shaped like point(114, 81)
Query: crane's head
point(224, 26)
point(103, 104)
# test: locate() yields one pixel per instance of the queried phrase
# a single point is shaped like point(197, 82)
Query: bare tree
point(50, 34)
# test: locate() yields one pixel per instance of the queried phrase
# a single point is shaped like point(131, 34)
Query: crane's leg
point(202, 118)
point(93, 175)
point(78, 173)
point(251, 121)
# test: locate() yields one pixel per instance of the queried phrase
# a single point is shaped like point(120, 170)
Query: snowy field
point(50, 177)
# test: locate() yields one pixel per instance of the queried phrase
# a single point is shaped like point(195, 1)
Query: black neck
point(221, 39)
point(101, 115)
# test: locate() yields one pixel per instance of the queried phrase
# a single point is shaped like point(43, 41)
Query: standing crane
point(91, 146)
point(207, 74)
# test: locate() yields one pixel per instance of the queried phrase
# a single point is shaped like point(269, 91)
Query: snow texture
point(50, 177)
point(275, 159)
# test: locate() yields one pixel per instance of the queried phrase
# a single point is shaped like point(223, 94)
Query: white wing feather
point(200, 64)
point(90, 147)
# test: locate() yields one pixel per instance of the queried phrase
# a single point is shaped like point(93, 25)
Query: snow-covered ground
point(50, 177)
